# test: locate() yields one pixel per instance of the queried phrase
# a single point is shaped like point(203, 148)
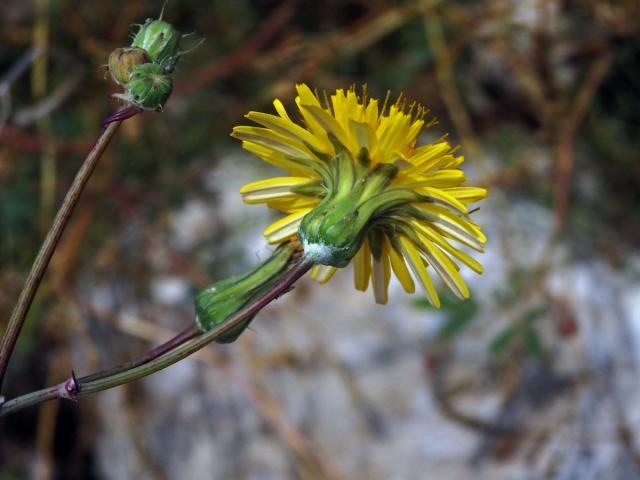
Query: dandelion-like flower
point(360, 189)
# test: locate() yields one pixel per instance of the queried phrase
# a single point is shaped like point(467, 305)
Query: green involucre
point(333, 232)
point(149, 87)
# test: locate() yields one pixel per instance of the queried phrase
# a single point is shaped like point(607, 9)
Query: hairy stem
point(73, 388)
point(49, 245)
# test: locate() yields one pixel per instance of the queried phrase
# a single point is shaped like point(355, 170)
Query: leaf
point(453, 326)
point(533, 344)
point(459, 314)
point(533, 314)
point(503, 339)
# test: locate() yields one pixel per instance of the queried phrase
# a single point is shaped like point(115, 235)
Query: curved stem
point(97, 382)
point(49, 245)
point(185, 335)
point(33, 398)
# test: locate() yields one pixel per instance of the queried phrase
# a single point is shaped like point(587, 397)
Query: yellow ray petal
point(291, 204)
point(329, 124)
point(412, 136)
point(381, 274)
point(441, 178)
point(276, 142)
point(440, 197)
point(285, 228)
point(427, 156)
point(363, 135)
point(400, 270)
point(453, 226)
point(445, 268)
point(287, 128)
point(280, 109)
point(306, 96)
point(322, 273)
point(413, 258)
point(371, 113)
point(271, 188)
point(449, 161)
point(278, 160)
point(467, 194)
point(392, 135)
point(439, 240)
point(362, 267)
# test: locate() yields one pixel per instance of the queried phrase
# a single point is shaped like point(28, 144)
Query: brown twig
point(566, 138)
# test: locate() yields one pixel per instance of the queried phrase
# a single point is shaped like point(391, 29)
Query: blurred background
point(536, 376)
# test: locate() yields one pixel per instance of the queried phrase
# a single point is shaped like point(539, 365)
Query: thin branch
point(49, 245)
point(74, 387)
point(566, 140)
point(187, 334)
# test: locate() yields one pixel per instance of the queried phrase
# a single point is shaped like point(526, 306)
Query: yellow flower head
point(359, 189)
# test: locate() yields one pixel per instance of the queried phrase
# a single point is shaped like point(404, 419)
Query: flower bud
point(123, 61)
point(219, 301)
point(160, 40)
point(149, 87)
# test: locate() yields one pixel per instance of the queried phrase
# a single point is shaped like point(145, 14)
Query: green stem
point(74, 388)
point(152, 354)
point(49, 245)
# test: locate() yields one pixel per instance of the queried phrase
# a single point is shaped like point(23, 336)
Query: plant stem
point(152, 354)
point(33, 398)
point(73, 388)
point(49, 246)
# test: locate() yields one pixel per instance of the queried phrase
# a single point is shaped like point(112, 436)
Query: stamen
point(327, 103)
point(411, 107)
point(384, 105)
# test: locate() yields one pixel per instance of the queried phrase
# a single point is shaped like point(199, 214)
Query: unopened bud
point(160, 40)
point(149, 87)
point(123, 61)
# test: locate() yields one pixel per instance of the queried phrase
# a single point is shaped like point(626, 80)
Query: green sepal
point(222, 299)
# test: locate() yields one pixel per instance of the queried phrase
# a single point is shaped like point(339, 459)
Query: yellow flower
point(359, 189)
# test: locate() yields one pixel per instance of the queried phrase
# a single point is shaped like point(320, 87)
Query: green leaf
point(503, 339)
point(533, 314)
point(533, 344)
point(458, 313)
point(453, 326)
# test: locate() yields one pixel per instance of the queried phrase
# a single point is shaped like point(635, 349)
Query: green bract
point(333, 232)
point(149, 87)
point(224, 298)
point(160, 40)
